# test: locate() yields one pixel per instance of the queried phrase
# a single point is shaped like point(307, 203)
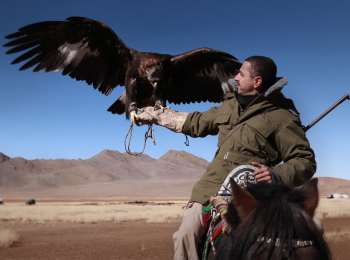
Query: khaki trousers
point(189, 236)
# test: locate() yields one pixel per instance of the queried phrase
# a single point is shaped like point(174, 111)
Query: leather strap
point(239, 125)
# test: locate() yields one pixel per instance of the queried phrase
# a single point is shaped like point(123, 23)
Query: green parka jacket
point(269, 138)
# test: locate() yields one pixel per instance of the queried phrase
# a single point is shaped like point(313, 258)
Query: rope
point(149, 134)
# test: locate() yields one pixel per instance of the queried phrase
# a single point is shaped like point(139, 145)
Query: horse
point(272, 221)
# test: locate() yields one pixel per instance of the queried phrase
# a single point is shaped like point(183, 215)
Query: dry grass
point(7, 237)
point(337, 235)
point(98, 212)
point(92, 213)
point(333, 208)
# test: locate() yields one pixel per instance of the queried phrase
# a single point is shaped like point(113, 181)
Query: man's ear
point(257, 82)
point(244, 202)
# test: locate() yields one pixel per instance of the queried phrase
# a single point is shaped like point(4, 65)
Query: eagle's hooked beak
point(155, 85)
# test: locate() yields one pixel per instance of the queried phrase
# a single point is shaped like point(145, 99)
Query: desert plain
point(95, 208)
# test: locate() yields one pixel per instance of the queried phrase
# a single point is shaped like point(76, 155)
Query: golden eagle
point(89, 50)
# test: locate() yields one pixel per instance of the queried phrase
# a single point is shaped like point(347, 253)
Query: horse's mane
point(278, 215)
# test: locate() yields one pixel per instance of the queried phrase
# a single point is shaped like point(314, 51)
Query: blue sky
point(46, 115)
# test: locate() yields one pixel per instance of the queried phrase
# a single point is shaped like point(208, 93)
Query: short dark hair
point(263, 67)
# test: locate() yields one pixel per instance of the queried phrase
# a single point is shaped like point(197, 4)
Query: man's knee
point(192, 224)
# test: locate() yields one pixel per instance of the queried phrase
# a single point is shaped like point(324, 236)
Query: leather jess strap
point(239, 125)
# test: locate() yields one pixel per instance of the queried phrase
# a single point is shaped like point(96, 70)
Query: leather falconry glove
point(173, 120)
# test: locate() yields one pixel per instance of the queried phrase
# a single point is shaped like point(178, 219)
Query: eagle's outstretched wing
point(201, 75)
point(84, 48)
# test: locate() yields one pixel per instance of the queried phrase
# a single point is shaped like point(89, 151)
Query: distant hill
point(3, 157)
point(117, 173)
point(328, 185)
point(111, 174)
point(107, 166)
point(185, 159)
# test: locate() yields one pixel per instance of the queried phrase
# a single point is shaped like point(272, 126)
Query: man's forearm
point(173, 120)
point(296, 171)
point(201, 124)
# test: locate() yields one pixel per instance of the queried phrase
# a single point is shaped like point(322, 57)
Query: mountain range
point(111, 174)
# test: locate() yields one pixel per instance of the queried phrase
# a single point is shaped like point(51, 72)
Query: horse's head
point(268, 220)
point(306, 196)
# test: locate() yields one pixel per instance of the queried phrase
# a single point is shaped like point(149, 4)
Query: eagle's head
point(152, 71)
point(154, 74)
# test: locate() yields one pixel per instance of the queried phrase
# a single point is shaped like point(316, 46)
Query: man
point(270, 134)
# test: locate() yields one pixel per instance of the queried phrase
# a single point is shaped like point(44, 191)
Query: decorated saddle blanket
point(213, 215)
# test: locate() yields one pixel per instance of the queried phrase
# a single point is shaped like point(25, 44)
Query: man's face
point(246, 84)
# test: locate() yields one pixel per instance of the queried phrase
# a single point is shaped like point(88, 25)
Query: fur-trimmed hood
point(275, 95)
point(280, 82)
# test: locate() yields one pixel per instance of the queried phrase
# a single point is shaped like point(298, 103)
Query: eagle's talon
point(156, 107)
point(133, 118)
point(161, 107)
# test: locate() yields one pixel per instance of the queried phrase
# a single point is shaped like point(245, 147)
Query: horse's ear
point(244, 202)
point(310, 191)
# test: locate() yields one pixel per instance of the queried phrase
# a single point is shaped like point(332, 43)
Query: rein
point(239, 125)
point(149, 134)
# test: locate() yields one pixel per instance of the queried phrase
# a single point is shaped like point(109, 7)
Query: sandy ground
point(107, 240)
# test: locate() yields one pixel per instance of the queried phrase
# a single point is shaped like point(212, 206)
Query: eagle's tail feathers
point(118, 106)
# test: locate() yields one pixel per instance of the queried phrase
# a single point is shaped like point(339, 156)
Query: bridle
point(295, 242)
